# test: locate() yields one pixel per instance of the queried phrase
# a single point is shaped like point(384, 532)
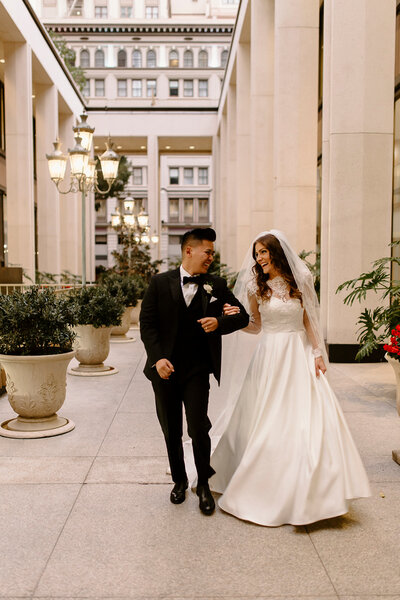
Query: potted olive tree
point(36, 346)
point(125, 285)
point(97, 312)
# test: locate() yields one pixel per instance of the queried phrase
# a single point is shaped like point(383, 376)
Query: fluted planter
point(36, 391)
point(135, 315)
point(92, 346)
point(395, 364)
point(118, 333)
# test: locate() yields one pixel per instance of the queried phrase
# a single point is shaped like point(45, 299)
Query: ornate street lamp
point(138, 223)
point(83, 171)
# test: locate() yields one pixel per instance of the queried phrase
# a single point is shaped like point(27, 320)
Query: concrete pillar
point(296, 120)
point(48, 201)
point(261, 118)
point(222, 194)
point(19, 164)
point(231, 204)
point(359, 51)
point(153, 190)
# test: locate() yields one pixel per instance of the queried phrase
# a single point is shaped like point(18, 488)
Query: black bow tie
point(194, 279)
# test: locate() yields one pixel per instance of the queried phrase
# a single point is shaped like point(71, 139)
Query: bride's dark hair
point(279, 261)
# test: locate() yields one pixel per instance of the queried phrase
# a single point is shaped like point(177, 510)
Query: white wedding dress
point(287, 455)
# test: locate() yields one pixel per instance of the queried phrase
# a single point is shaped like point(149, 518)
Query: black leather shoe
point(178, 493)
point(206, 501)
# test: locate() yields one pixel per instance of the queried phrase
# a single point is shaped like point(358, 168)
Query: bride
point(286, 455)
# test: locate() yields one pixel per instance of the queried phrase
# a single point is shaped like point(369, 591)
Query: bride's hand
point(230, 309)
point(319, 366)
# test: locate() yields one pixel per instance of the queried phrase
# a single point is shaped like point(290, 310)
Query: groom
point(181, 323)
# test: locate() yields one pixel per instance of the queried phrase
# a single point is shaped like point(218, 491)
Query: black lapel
point(175, 286)
point(205, 299)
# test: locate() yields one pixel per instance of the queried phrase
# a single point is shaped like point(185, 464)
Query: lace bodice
point(281, 315)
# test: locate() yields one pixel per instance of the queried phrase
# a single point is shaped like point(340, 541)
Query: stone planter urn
point(36, 391)
point(118, 333)
point(395, 364)
point(92, 346)
point(135, 315)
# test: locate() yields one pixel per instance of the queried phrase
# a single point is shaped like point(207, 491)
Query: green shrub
point(123, 284)
point(97, 306)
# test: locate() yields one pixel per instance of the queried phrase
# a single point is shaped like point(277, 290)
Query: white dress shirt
point(189, 289)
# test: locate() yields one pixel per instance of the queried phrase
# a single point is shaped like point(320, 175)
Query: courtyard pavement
point(87, 514)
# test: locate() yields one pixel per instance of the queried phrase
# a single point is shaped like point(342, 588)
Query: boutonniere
point(207, 287)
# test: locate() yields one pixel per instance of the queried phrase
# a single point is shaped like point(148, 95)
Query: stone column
point(231, 206)
point(261, 118)
point(48, 201)
point(221, 204)
point(296, 120)
point(19, 164)
point(153, 190)
point(357, 151)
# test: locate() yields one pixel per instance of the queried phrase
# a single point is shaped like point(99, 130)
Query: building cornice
point(162, 29)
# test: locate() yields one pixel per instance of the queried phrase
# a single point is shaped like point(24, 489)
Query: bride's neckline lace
point(279, 288)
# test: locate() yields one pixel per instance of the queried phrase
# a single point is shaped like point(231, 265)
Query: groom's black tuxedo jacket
point(160, 313)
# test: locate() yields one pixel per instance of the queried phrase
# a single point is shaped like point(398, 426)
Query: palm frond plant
point(376, 325)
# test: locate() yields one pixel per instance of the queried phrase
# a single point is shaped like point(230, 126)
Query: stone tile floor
point(87, 514)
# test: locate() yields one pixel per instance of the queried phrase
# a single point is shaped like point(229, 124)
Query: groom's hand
point(208, 324)
point(164, 368)
point(230, 309)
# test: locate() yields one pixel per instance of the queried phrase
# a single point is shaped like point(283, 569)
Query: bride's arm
point(254, 325)
point(319, 361)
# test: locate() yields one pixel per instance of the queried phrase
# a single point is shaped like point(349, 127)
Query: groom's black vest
point(191, 352)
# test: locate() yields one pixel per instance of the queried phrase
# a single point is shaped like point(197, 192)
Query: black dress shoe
point(178, 492)
point(206, 501)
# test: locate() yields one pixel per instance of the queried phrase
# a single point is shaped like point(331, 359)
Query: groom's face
point(200, 256)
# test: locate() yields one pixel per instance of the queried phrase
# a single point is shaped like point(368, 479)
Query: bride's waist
point(274, 329)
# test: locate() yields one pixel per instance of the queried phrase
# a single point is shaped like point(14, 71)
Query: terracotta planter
point(136, 314)
point(36, 391)
point(118, 334)
point(92, 346)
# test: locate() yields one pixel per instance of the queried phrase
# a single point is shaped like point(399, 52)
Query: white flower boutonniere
point(207, 287)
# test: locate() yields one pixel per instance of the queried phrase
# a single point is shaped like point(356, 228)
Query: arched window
point(121, 58)
point(99, 59)
point(151, 62)
point(203, 59)
point(84, 59)
point(188, 59)
point(224, 58)
point(136, 59)
point(173, 59)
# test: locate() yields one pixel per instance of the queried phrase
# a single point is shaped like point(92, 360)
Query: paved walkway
point(87, 514)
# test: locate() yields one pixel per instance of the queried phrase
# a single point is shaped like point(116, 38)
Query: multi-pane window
point(126, 12)
point(188, 87)
point(74, 8)
point(99, 87)
point(203, 59)
point(99, 58)
point(188, 209)
point(188, 59)
point(173, 209)
point(86, 88)
point(203, 175)
point(100, 238)
point(151, 12)
point(173, 175)
point(203, 88)
point(173, 87)
point(2, 119)
point(151, 88)
point(136, 88)
point(203, 210)
point(136, 59)
point(122, 88)
point(188, 175)
point(121, 58)
point(84, 59)
point(100, 12)
point(224, 58)
point(137, 176)
point(151, 61)
point(173, 59)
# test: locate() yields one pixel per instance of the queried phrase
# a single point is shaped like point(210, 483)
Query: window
point(99, 88)
point(203, 210)
point(2, 119)
point(188, 87)
point(86, 89)
point(100, 12)
point(74, 8)
point(151, 61)
point(84, 59)
point(203, 175)
point(136, 88)
point(173, 209)
point(188, 175)
point(188, 209)
point(99, 59)
point(173, 59)
point(173, 175)
point(126, 12)
point(122, 88)
point(151, 12)
point(224, 58)
point(101, 238)
point(137, 177)
point(136, 59)
point(203, 59)
point(151, 88)
point(203, 88)
point(121, 58)
point(173, 87)
point(188, 59)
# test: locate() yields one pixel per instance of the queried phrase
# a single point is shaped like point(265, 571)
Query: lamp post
point(83, 170)
point(136, 222)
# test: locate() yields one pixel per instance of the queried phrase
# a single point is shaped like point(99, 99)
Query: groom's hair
point(198, 235)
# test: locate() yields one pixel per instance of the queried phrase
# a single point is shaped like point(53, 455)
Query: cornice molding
point(140, 29)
